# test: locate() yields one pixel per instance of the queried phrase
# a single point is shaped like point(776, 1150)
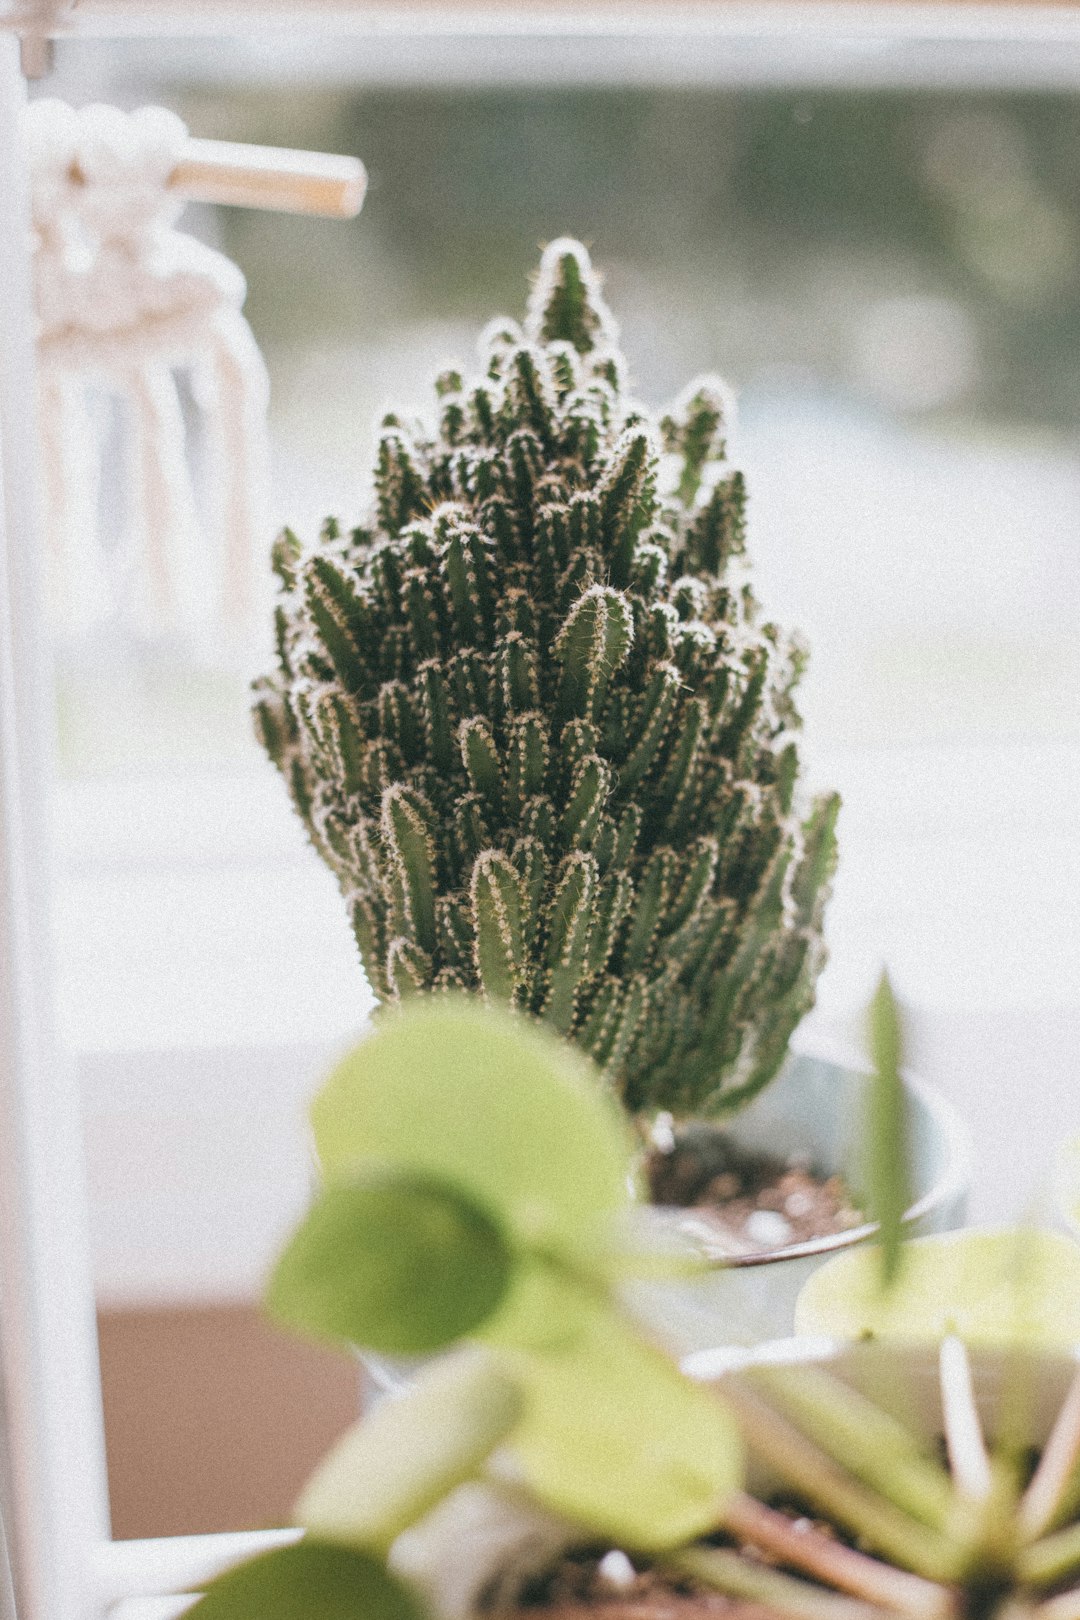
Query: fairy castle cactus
point(533, 721)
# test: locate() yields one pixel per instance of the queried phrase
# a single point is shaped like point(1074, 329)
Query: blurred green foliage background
point(756, 226)
point(891, 280)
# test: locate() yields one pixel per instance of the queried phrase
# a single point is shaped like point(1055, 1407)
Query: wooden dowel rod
point(245, 176)
point(271, 177)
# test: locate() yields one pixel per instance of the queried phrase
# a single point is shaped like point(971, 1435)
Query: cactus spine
point(533, 721)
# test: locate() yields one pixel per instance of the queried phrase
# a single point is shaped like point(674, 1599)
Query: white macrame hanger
point(126, 304)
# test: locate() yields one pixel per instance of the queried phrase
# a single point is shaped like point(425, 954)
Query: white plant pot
point(904, 1379)
point(817, 1108)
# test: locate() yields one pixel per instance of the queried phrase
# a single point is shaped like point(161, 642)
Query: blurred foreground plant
point(478, 1202)
point(478, 1186)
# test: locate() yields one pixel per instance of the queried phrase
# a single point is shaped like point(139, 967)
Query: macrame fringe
point(127, 304)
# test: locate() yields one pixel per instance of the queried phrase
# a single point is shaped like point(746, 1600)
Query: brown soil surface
point(577, 1591)
point(747, 1203)
point(655, 1606)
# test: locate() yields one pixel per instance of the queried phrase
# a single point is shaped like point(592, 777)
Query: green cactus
point(534, 723)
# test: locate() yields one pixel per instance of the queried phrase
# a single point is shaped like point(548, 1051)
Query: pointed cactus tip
point(566, 304)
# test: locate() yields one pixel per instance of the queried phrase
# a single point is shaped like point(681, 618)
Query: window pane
point(891, 279)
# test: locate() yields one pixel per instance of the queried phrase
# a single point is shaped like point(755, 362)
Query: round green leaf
point(392, 1261)
point(542, 1311)
point(617, 1440)
point(990, 1288)
point(310, 1580)
point(488, 1101)
point(408, 1453)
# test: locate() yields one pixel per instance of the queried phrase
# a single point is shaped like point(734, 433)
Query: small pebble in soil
point(663, 1133)
point(616, 1570)
point(767, 1229)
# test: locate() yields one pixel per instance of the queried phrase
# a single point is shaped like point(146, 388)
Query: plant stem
point(803, 1546)
point(1016, 1608)
point(730, 1572)
point(876, 1448)
point(1065, 1606)
point(968, 1457)
point(1053, 1559)
point(1051, 1485)
point(817, 1478)
point(887, 1147)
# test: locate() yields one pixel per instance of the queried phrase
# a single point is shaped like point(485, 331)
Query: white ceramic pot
point(904, 1380)
point(817, 1108)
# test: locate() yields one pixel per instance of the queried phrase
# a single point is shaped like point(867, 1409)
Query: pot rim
point(951, 1184)
point(988, 1361)
point(709, 1366)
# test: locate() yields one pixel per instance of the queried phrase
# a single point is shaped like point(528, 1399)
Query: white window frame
point(53, 1464)
point(52, 1403)
point(53, 1485)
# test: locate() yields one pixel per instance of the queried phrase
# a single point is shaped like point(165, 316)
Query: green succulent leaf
point(489, 1103)
point(616, 1439)
point(1014, 1287)
point(887, 1155)
point(311, 1580)
point(395, 1261)
point(549, 1305)
point(388, 1471)
point(496, 896)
